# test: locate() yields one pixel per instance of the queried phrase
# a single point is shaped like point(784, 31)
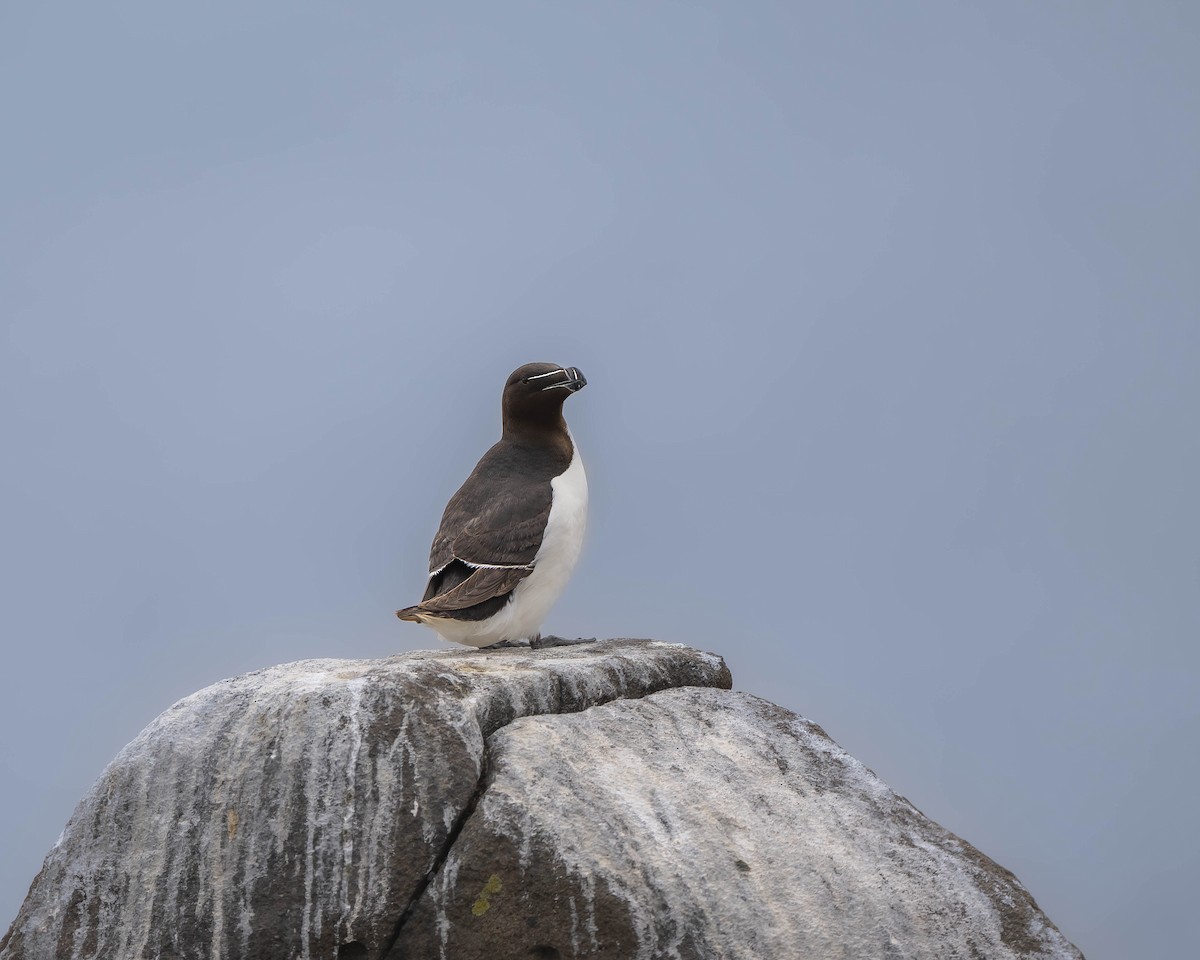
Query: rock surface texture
point(613, 800)
point(705, 823)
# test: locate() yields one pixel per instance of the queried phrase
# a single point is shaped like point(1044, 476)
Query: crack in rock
point(443, 853)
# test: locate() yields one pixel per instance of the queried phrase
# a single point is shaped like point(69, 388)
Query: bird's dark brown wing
point(483, 584)
point(499, 537)
point(492, 527)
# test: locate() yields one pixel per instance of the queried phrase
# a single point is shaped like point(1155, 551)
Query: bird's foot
point(505, 645)
point(541, 642)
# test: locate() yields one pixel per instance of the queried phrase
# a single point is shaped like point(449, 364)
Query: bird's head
point(535, 392)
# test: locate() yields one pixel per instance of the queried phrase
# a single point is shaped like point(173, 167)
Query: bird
point(510, 537)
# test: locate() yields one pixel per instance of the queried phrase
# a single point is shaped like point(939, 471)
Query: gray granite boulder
point(611, 801)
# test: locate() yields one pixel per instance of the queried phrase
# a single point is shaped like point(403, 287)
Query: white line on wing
point(497, 566)
point(482, 566)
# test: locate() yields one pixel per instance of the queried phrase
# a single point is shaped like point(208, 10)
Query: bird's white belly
point(533, 597)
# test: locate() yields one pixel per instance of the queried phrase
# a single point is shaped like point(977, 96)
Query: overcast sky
point(890, 319)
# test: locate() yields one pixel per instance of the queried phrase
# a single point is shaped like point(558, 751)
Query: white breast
point(533, 597)
point(562, 541)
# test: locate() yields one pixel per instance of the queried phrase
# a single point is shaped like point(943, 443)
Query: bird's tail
point(410, 613)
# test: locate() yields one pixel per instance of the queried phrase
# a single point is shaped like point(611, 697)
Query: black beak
point(575, 380)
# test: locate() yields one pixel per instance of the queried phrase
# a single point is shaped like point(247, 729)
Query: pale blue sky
point(889, 314)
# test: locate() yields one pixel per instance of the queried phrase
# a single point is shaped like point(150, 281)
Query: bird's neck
point(540, 439)
point(548, 428)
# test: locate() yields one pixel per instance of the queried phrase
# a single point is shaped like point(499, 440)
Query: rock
point(508, 804)
point(704, 824)
point(298, 811)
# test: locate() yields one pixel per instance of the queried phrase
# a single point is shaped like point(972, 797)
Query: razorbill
point(510, 536)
